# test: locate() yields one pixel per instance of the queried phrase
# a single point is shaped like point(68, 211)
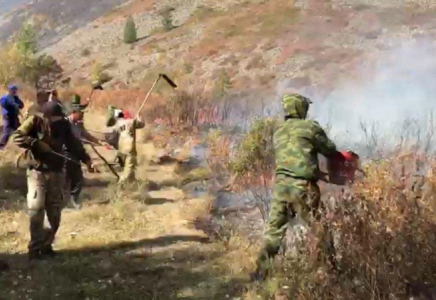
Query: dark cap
point(52, 109)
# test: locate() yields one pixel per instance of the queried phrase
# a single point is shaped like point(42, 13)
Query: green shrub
point(167, 18)
point(253, 164)
point(26, 40)
point(19, 61)
point(46, 72)
point(86, 52)
point(98, 75)
point(130, 34)
point(255, 153)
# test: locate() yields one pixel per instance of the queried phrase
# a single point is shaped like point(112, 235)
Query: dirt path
point(123, 244)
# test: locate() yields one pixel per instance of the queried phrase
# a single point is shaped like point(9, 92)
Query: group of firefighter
point(49, 130)
point(52, 136)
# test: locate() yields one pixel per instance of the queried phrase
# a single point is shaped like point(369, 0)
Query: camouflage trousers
point(130, 166)
point(292, 197)
point(44, 202)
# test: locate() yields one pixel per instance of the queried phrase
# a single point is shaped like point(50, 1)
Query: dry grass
point(151, 243)
point(131, 8)
point(140, 244)
point(383, 245)
point(240, 29)
point(383, 227)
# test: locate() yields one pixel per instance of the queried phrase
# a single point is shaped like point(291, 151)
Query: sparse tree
point(46, 72)
point(19, 60)
point(130, 34)
point(26, 41)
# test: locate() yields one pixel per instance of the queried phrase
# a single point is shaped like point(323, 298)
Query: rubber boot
point(34, 255)
point(3, 266)
point(48, 251)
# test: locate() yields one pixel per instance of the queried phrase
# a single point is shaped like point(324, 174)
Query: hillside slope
point(313, 43)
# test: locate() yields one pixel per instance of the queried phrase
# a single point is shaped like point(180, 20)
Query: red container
point(342, 167)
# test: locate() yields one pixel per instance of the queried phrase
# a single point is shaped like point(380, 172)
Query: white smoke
point(393, 99)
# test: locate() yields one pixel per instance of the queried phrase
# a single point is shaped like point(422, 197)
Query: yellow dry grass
point(127, 243)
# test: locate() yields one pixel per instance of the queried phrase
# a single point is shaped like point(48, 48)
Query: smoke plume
point(391, 103)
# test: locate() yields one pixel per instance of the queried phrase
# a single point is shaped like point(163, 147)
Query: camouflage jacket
point(123, 134)
point(60, 139)
point(297, 143)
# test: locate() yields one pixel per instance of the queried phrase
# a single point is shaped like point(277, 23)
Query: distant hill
point(58, 18)
point(8, 5)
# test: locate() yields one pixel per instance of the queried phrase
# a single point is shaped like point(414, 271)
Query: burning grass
point(383, 228)
point(384, 237)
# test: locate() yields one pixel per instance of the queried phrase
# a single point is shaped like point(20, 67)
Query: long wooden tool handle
point(90, 95)
point(105, 161)
point(148, 96)
point(89, 100)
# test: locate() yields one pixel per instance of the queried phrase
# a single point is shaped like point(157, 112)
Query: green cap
point(75, 103)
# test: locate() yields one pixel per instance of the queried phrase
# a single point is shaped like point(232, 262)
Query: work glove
point(42, 147)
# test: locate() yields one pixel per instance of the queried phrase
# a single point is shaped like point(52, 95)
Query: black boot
point(262, 269)
point(3, 266)
point(34, 255)
point(48, 251)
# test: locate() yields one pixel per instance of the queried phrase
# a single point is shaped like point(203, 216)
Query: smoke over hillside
point(392, 99)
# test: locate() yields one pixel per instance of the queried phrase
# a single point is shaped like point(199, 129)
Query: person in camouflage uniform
point(44, 138)
point(112, 115)
point(122, 135)
point(297, 142)
point(73, 173)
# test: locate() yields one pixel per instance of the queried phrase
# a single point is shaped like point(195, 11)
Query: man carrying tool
point(74, 174)
point(53, 97)
point(36, 107)
point(45, 136)
point(122, 135)
point(112, 115)
point(123, 132)
point(297, 143)
point(11, 105)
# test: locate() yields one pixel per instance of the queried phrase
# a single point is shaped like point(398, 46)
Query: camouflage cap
point(75, 100)
point(75, 103)
point(296, 105)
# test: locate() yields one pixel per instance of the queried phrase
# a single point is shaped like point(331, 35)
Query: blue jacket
point(11, 106)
